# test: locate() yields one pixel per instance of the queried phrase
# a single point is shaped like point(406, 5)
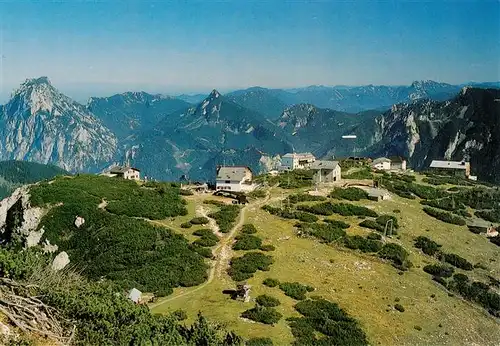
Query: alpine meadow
point(250, 173)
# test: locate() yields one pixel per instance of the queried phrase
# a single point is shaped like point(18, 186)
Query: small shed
point(134, 295)
point(375, 194)
point(478, 226)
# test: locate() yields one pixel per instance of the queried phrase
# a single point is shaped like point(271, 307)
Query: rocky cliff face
point(41, 124)
point(464, 128)
point(18, 220)
point(320, 131)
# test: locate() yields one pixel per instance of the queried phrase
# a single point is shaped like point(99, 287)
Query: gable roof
point(321, 164)
point(381, 160)
point(134, 295)
point(122, 169)
point(232, 172)
point(448, 164)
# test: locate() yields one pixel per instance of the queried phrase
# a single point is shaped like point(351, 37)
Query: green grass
point(361, 284)
point(129, 251)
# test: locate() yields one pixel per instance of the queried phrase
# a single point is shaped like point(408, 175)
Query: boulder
point(60, 261)
point(79, 221)
point(34, 237)
point(48, 247)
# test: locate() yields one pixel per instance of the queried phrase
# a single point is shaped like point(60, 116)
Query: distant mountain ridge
point(168, 137)
point(130, 112)
point(196, 136)
point(344, 98)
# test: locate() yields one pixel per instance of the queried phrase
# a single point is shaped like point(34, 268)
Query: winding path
point(222, 254)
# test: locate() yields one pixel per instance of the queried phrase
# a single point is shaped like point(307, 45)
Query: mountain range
point(168, 136)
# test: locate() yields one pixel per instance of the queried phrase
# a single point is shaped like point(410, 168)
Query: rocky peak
point(298, 115)
point(36, 94)
point(41, 124)
point(214, 94)
point(211, 105)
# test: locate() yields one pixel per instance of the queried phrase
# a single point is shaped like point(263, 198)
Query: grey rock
point(60, 261)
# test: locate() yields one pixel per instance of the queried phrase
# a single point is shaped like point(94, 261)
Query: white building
point(234, 178)
point(458, 168)
point(382, 164)
point(134, 295)
point(124, 172)
point(398, 163)
point(292, 161)
point(326, 171)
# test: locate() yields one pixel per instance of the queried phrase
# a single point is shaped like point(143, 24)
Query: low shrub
point(447, 203)
point(248, 229)
point(305, 217)
point(243, 268)
point(399, 307)
point(372, 225)
point(291, 214)
point(186, 225)
point(441, 280)
point(426, 192)
point(267, 301)
point(304, 197)
point(427, 246)
point(477, 292)
point(364, 173)
point(344, 209)
point(202, 251)
point(439, 270)
point(322, 231)
point(444, 216)
point(489, 215)
point(363, 244)
point(247, 242)
point(397, 254)
point(457, 261)
point(203, 232)
point(180, 315)
point(258, 193)
point(383, 219)
point(295, 290)
point(374, 236)
point(496, 240)
point(262, 314)
point(183, 192)
point(199, 220)
point(270, 282)
point(207, 240)
point(226, 217)
point(337, 223)
point(325, 323)
point(350, 193)
point(267, 247)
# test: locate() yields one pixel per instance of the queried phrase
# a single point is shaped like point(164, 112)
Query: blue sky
point(89, 47)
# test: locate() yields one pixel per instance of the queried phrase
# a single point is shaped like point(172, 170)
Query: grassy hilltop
point(381, 284)
point(321, 269)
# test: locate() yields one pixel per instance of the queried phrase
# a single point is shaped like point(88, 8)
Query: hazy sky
point(88, 47)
